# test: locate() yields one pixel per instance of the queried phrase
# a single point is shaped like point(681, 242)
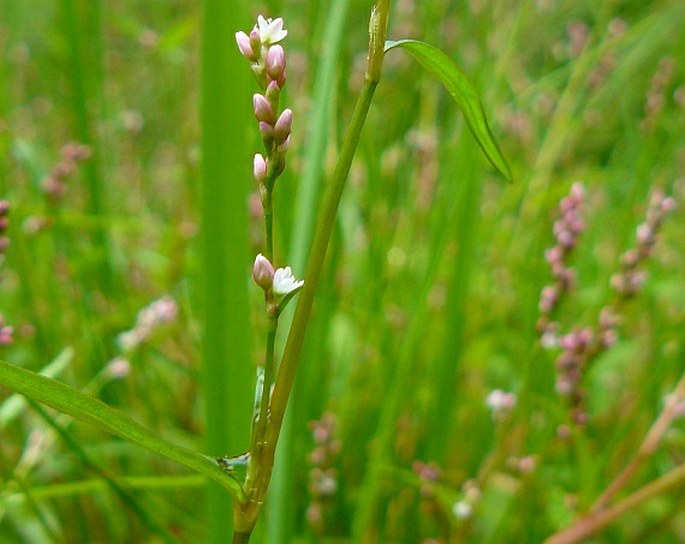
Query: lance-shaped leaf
point(90, 410)
point(464, 94)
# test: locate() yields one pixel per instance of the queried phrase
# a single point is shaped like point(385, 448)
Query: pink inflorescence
point(159, 312)
point(567, 229)
point(582, 344)
point(55, 183)
point(323, 476)
point(631, 278)
point(655, 101)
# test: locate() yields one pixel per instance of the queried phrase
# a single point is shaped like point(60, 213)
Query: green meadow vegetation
point(486, 360)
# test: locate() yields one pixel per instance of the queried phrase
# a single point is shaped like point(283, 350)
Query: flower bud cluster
point(567, 229)
point(630, 279)
point(268, 63)
point(54, 184)
point(160, 312)
point(323, 476)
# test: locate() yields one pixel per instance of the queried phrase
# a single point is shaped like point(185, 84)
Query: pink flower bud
point(272, 91)
point(262, 109)
point(275, 61)
point(255, 40)
point(263, 272)
point(243, 41)
point(259, 73)
point(267, 132)
point(645, 234)
point(6, 335)
point(259, 168)
point(283, 126)
point(668, 204)
point(286, 145)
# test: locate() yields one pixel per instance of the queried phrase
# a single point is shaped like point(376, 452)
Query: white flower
point(130, 340)
point(500, 401)
point(271, 30)
point(462, 510)
point(285, 283)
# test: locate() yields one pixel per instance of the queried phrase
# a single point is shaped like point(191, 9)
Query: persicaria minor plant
point(263, 48)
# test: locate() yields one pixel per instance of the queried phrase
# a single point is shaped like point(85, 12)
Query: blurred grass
point(429, 298)
point(227, 349)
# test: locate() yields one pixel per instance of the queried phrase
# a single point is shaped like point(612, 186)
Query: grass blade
point(226, 120)
point(90, 410)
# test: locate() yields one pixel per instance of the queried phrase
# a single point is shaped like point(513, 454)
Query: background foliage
point(430, 296)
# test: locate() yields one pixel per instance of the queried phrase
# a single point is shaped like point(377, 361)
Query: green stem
point(281, 512)
point(327, 217)
point(254, 471)
point(293, 347)
point(268, 206)
point(241, 538)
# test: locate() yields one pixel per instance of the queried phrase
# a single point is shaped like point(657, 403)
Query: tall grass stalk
point(281, 507)
point(327, 219)
point(83, 27)
point(226, 354)
point(6, 13)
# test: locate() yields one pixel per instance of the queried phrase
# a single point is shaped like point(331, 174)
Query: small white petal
point(263, 25)
point(277, 31)
point(284, 282)
point(271, 30)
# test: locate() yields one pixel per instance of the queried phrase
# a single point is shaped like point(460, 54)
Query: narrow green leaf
point(84, 408)
point(464, 94)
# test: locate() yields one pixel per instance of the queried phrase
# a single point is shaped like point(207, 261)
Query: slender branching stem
point(594, 522)
point(648, 447)
point(601, 514)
